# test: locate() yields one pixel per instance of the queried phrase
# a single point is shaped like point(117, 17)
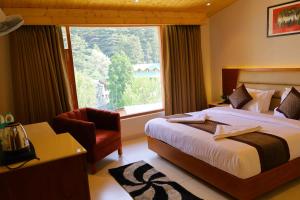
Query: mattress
point(236, 158)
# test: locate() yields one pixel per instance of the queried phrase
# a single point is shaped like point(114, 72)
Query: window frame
point(71, 72)
point(70, 69)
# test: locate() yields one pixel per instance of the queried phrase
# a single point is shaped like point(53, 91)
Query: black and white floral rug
point(143, 182)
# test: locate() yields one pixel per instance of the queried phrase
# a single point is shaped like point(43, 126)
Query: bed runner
point(272, 150)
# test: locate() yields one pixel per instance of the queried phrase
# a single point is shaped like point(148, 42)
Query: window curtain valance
point(40, 85)
point(182, 69)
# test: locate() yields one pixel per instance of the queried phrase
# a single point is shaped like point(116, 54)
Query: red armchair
point(98, 131)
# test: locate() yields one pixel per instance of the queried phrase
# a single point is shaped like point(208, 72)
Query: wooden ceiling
point(157, 5)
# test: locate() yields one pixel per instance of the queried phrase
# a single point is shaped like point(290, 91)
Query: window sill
point(142, 114)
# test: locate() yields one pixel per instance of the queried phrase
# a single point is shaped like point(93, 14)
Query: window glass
point(117, 68)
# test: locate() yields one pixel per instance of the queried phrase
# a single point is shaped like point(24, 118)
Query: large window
point(117, 68)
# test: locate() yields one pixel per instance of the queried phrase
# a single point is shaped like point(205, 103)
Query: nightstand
point(218, 104)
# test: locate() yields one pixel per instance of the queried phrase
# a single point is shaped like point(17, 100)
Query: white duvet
point(236, 158)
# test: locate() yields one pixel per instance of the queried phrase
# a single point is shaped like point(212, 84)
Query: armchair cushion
point(80, 114)
point(82, 131)
point(105, 137)
point(104, 119)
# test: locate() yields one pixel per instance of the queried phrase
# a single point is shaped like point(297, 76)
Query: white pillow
point(261, 100)
point(278, 114)
point(256, 104)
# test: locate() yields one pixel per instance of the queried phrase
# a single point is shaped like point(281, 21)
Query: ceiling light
point(135, 1)
point(208, 4)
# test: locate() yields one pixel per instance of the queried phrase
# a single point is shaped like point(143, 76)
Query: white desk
point(59, 174)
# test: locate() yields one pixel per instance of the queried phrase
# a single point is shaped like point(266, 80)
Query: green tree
point(120, 74)
point(97, 66)
point(143, 90)
point(109, 41)
point(155, 46)
point(91, 67)
point(131, 46)
point(148, 53)
point(89, 60)
point(86, 90)
point(80, 52)
point(93, 49)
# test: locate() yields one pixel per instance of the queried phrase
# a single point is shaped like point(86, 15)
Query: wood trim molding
point(265, 68)
point(39, 16)
point(269, 69)
point(70, 70)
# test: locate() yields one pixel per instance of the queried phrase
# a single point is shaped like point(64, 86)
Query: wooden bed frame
point(239, 188)
point(244, 189)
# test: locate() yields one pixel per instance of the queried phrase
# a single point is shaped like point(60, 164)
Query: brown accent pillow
point(290, 106)
point(239, 97)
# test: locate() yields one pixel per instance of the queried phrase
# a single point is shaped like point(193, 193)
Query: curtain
point(40, 86)
point(182, 69)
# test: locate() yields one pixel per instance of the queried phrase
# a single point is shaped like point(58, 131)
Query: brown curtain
point(38, 73)
point(183, 70)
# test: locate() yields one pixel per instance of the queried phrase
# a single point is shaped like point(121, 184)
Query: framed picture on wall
point(284, 19)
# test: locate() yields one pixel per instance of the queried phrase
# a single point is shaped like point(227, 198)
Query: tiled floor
point(104, 187)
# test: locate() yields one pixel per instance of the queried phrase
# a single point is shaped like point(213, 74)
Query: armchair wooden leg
point(120, 152)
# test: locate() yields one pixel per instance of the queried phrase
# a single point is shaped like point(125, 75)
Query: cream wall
point(205, 45)
point(134, 127)
point(238, 38)
point(6, 99)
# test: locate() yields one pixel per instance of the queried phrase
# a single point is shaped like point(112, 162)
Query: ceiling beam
point(40, 16)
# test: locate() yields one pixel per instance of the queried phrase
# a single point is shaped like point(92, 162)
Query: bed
point(229, 165)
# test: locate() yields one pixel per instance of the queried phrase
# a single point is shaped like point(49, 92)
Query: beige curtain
point(183, 71)
point(38, 73)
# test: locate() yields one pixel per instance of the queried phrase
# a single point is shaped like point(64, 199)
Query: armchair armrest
point(82, 131)
point(104, 119)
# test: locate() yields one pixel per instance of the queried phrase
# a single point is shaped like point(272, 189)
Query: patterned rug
point(143, 182)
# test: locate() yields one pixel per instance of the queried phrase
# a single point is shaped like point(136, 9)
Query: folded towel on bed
point(224, 131)
point(193, 119)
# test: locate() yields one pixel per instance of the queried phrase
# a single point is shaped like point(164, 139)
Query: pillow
point(262, 98)
point(260, 102)
point(253, 105)
point(285, 93)
point(239, 97)
point(290, 106)
point(278, 114)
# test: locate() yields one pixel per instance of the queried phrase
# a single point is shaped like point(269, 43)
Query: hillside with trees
point(104, 60)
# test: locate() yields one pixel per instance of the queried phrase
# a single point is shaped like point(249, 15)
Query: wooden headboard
point(261, 78)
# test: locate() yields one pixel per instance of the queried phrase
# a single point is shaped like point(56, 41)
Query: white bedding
point(234, 157)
